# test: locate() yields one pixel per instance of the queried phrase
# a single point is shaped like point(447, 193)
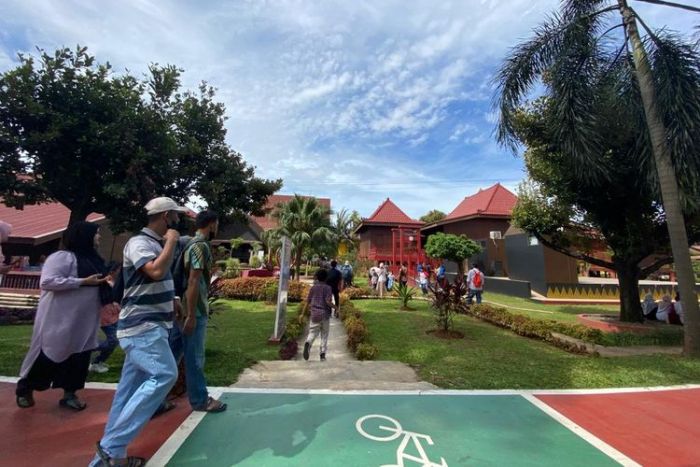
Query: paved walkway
point(340, 370)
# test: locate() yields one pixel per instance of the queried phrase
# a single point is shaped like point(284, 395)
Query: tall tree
point(567, 51)
point(306, 222)
point(73, 131)
point(574, 215)
point(433, 216)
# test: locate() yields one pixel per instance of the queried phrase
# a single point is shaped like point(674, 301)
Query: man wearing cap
point(146, 316)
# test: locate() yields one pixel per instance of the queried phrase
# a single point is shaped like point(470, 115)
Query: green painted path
point(282, 429)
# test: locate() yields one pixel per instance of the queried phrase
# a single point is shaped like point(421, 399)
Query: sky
point(352, 100)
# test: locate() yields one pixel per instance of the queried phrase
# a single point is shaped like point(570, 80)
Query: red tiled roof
point(494, 201)
point(39, 220)
point(390, 213)
point(267, 222)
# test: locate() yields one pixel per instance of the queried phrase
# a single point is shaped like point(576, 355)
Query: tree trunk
point(630, 305)
point(77, 215)
point(668, 183)
point(297, 263)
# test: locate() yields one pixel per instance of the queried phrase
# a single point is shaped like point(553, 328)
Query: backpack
point(178, 269)
point(478, 280)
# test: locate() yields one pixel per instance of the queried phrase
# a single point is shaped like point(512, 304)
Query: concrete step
point(315, 374)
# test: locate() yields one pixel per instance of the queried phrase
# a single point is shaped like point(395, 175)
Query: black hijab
point(80, 239)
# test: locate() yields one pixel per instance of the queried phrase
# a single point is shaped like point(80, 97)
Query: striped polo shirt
point(147, 303)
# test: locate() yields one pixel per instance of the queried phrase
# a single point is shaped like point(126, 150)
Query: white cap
point(163, 204)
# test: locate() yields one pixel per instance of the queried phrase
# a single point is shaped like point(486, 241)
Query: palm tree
point(344, 229)
point(306, 223)
point(565, 54)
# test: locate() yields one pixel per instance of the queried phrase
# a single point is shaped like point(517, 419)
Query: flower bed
point(16, 315)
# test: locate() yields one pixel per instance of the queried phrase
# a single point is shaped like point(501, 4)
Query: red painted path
point(48, 435)
point(655, 428)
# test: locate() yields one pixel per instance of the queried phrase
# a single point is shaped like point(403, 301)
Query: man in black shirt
point(335, 280)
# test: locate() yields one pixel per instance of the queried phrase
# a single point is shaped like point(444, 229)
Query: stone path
point(340, 371)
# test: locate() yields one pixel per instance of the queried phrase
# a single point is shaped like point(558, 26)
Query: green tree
point(568, 213)
point(344, 229)
point(567, 52)
point(451, 247)
point(433, 216)
point(73, 131)
point(306, 223)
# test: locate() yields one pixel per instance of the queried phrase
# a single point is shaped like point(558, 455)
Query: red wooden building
point(391, 237)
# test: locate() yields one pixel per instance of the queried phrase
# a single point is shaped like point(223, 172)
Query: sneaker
point(307, 347)
point(323, 357)
point(98, 367)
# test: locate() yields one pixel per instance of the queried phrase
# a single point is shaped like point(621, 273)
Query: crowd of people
point(664, 310)
point(154, 305)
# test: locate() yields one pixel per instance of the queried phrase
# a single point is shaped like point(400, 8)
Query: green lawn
point(493, 358)
point(535, 309)
point(236, 339)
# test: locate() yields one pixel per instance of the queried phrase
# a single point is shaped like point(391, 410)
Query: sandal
point(24, 402)
point(72, 403)
point(213, 406)
point(131, 461)
point(166, 406)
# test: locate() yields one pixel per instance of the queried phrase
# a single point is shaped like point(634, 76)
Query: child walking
point(320, 302)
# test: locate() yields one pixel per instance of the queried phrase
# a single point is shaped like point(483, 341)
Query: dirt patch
point(442, 334)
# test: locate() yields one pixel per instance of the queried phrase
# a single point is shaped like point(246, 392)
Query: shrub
point(270, 292)
point(288, 349)
point(245, 288)
point(255, 262)
point(538, 329)
point(405, 294)
point(358, 292)
point(17, 315)
point(259, 288)
point(448, 300)
point(366, 351)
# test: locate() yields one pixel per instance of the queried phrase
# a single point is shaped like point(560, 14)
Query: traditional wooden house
point(390, 236)
point(483, 217)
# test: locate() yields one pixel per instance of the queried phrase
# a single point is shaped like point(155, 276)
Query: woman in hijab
point(73, 288)
point(649, 307)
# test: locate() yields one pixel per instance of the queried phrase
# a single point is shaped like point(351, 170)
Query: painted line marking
point(179, 436)
point(413, 392)
point(583, 433)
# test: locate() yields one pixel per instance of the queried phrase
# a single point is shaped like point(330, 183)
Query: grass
point(236, 339)
point(493, 358)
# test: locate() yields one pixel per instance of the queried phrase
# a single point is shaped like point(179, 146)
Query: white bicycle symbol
point(394, 430)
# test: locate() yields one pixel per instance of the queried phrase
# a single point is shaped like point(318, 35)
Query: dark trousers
point(69, 375)
point(108, 345)
point(336, 297)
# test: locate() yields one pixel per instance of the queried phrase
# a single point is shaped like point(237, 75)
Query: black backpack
point(178, 269)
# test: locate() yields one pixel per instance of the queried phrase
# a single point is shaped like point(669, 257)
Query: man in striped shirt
point(146, 316)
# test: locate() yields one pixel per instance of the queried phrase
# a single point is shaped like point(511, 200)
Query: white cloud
point(342, 99)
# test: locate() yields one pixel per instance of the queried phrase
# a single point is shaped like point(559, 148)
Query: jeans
point(192, 347)
point(148, 374)
point(472, 293)
point(108, 345)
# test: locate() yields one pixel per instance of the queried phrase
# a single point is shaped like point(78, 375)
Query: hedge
point(356, 328)
point(261, 288)
point(536, 328)
point(17, 315)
